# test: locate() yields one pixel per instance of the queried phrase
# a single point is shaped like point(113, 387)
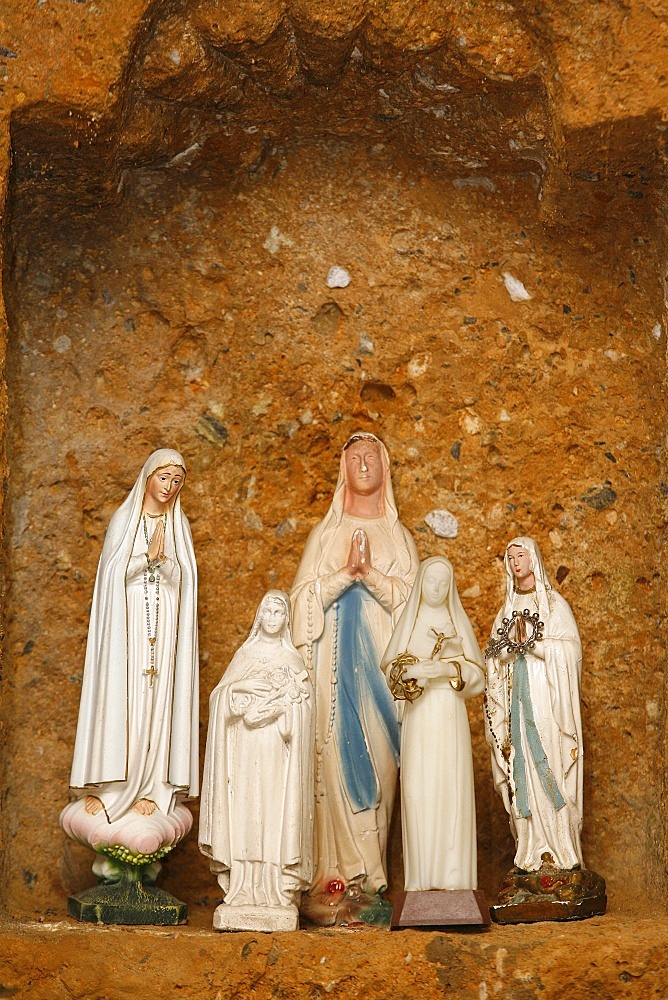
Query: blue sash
point(521, 697)
point(360, 692)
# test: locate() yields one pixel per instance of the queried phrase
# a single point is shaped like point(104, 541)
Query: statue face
point(164, 484)
point(520, 563)
point(273, 616)
point(435, 584)
point(364, 467)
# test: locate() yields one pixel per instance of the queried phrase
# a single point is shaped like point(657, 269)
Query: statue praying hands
point(352, 582)
point(136, 749)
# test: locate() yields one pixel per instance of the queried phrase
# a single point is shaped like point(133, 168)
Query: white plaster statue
point(437, 795)
point(351, 585)
point(532, 709)
point(256, 817)
point(136, 748)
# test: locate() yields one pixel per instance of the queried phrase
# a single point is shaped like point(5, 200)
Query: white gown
point(149, 696)
point(438, 820)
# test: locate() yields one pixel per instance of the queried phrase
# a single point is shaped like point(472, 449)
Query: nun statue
point(534, 729)
point(352, 583)
point(136, 748)
point(434, 647)
point(256, 818)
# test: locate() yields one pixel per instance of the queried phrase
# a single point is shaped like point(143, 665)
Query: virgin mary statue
point(352, 583)
point(136, 745)
point(532, 709)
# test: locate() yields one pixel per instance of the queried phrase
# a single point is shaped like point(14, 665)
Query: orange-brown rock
point(608, 957)
point(178, 178)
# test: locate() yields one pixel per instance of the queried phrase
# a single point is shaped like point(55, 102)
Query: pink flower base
point(142, 836)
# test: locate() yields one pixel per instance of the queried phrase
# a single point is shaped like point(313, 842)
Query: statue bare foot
point(93, 805)
point(145, 807)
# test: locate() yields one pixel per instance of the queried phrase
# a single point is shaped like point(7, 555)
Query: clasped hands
point(359, 557)
point(156, 548)
point(425, 670)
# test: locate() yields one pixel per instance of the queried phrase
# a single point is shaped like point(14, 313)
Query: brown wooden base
point(440, 908)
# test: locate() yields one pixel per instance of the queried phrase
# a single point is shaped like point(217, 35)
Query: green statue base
point(128, 899)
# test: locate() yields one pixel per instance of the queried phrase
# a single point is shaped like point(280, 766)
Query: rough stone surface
point(603, 958)
point(178, 179)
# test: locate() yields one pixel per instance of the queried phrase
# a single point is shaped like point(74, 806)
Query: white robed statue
point(256, 817)
point(136, 749)
point(444, 661)
point(352, 583)
point(532, 709)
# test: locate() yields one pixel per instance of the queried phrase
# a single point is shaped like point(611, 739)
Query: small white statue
point(434, 662)
point(256, 818)
point(352, 582)
point(532, 709)
point(136, 749)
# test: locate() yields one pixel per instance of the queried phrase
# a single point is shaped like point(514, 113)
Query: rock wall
point(182, 178)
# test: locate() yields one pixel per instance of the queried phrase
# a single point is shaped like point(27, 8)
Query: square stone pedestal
point(255, 918)
point(441, 908)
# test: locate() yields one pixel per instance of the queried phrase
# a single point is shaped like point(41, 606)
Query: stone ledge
point(604, 957)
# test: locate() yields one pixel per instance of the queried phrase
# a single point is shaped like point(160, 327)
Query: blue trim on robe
point(361, 692)
point(521, 696)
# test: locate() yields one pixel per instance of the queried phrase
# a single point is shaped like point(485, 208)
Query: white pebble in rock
point(275, 240)
point(62, 344)
point(338, 277)
point(442, 523)
point(515, 288)
point(366, 345)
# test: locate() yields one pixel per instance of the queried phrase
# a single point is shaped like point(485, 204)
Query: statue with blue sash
point(352, 583)
point(534, 729)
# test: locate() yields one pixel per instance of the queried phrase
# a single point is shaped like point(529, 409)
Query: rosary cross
point(150, 673)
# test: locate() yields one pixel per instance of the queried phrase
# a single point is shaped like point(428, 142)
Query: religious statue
point(437, 796)
point(256, 818)
point(534, 729)
point(136, 749)
point(352, 583)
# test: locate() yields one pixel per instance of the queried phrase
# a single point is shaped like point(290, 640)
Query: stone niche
point(178, 185)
